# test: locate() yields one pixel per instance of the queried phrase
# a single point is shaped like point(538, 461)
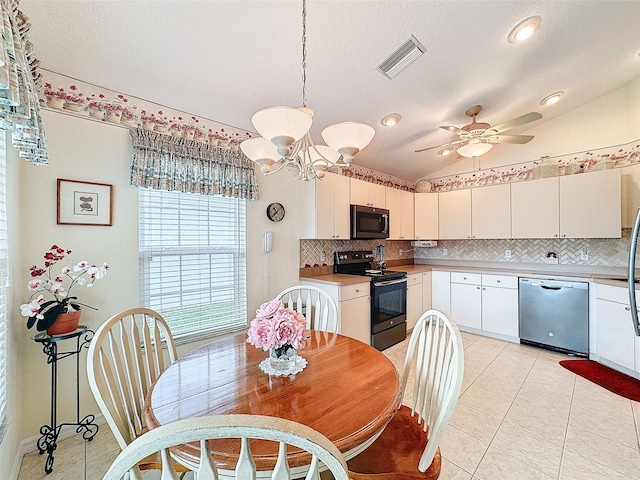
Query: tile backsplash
point(606, 252)
point(610, 252)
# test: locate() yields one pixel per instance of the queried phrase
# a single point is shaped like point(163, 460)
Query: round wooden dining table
point(348, 391)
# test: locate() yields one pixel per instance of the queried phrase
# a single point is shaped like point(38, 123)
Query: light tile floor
point(520, 416)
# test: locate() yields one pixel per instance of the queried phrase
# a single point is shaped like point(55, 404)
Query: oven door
point(388, 304)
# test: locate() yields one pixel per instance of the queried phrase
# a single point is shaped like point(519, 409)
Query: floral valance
point(163, 162)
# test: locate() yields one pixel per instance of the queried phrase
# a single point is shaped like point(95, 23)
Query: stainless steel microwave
point(369, 222)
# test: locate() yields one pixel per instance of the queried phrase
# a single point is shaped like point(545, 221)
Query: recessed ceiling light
point(524, 30)
point(445, 151)
point(551, 99)
point(391, 119)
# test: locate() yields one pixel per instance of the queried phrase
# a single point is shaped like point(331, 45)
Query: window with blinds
point(193, 261)
point(4, 285)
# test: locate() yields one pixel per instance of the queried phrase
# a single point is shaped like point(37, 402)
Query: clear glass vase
point(283, 359)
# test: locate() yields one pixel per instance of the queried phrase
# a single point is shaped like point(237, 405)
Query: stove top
point(360, 262)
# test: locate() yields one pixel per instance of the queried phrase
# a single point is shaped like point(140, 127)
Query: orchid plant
point(45, 281)
point(277, 327)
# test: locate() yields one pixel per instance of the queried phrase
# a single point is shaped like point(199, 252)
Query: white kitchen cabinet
point(367, 193)
point(534, 209)
point(414, 299)
point(500, 305)
point(426, 291)
point(454, 214)
point(590, 205)
point(441, 291)
point(326, 206)
point(466, 300)
point(354, 307)
point(615, 336)
point(491, 211)
point(426, 216)
point(401, 218)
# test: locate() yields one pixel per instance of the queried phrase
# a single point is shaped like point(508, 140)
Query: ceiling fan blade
point(456, 130)
point(521, 139)
point(441, 146)
point(516, 122)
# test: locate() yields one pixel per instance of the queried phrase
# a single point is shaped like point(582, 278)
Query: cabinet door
point(615, 337)
point(426, 216)
point(407, 215)
point(325, 211)
point(500, 310)
point(466, 302)
point(534, 209)
point(394, 205)
point(426, 291)
point(414, 304)
point(359, 192)
point(454, 214)
point(341, 213)
point(491, 212)
point(355, 319)
point(441, 291)
point(377, 195)
point(590, 205)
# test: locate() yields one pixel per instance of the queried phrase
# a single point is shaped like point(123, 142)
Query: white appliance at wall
point(632, 274)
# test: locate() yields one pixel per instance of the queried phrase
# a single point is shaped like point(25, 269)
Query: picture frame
point(84, 203)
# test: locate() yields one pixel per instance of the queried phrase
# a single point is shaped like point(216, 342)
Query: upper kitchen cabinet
point(590, 205)
point(534, 209)
point(426, 216)
point(366, 193)
point(454, 214)
point(586, 205)
point(400, 206)
point(326, 206)
point(491, 212)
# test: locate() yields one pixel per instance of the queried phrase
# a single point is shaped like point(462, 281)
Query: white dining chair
point(245, 427)
point(315, 304)
point(408, 447)
point(126, 356)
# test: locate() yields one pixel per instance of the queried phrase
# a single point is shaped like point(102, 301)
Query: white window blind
point(4, 284)
point(193, 261)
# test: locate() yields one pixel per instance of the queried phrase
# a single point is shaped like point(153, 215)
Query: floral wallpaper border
point(62, 93)
point(373, 176)
point(616, 156)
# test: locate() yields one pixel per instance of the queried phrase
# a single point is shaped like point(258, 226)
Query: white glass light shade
point(259, 148)
point(327, 152)
point(474, 149)
point(348, 135)
point(275, 122)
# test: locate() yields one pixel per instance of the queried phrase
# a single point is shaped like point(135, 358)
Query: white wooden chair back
point(245, 427)
point(315, 304)
point(439, 368)
point(125, 357)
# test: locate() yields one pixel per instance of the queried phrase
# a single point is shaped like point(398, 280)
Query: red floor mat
point(606, 377)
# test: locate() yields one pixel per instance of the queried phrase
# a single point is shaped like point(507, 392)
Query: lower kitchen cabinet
point(466, 300)
point(426, 291)
point(441, 291)
point(615, 337)
point(414, 299)
point(500, 305)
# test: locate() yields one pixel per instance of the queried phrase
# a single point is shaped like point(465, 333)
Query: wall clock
point(275, 212)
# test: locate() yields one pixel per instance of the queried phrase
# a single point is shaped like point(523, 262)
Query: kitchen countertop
point(616, 280)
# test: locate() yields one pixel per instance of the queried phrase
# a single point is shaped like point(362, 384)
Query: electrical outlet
point(507, 254)
point(445, 252)
point(584, 254)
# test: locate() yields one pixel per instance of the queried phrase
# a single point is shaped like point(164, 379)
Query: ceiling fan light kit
point(524, 30)
point(551, 99)
point(474, 149)
point(285, 141)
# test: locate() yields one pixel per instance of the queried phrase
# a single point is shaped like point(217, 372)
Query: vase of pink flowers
point(281, 331)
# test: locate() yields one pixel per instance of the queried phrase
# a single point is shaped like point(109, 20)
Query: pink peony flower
point(268, 309)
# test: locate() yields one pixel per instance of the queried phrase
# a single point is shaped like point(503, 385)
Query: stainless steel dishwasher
point(555, 314)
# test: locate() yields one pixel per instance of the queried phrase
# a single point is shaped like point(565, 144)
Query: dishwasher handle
point(547, 287)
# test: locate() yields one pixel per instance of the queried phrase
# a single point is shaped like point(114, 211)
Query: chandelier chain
point(304, 53)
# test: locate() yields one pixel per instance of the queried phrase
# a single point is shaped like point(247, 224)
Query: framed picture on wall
point(84, 203)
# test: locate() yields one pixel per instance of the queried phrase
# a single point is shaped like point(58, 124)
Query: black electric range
point(388, 296)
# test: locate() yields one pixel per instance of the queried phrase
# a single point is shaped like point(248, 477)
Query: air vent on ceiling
point(405, 55)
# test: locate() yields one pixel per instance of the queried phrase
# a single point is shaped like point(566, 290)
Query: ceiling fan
point(477, 138)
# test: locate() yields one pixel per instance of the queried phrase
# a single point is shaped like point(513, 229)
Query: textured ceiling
point(224, 60)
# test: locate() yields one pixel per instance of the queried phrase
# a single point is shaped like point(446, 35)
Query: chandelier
point(285, 141)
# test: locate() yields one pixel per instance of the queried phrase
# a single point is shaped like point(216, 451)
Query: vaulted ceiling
point(224, 60)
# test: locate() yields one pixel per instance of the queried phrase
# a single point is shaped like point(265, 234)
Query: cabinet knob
point(357, 291)
point(563, 235)
point(497, 281)
point(477, 288)
point(483, 288)
point(464, 278)
point(555, 235)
